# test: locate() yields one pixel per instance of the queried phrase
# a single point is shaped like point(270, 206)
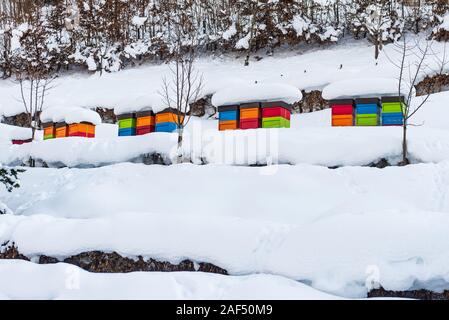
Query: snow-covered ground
point(330, 228)
point(62, 281)
point(310, 140)
point(305, 70)
point(275, 228)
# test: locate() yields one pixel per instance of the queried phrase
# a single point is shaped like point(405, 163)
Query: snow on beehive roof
point(256, 92)
point(55, 114)
point(151, 102)
point(363, 87)
point(20, 134)
point(78, 115)
point(70, 115)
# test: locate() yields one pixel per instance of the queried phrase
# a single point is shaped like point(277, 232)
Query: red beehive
point(250, 116)
point(19, 141)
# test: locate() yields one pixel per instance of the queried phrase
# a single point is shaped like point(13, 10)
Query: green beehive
point(275, 122)
point(392, 107)
point(126, 121)
point(367, 120)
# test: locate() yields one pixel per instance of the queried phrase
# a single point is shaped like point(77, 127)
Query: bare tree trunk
point(180, 154)
point(376, 47)
point(405, 160)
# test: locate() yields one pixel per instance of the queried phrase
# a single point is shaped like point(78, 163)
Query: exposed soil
point(106, 115)
point(433, 84)
point(19, 120)
point(410, 294)
point(311, 101)
point(98, 261)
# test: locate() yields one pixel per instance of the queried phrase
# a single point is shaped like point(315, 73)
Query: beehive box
point(168, 120)
point(342, 112)
point(392, 111)
point(228, 117)
point(83, 129)
point(367, 111)
point(126, 124)
point(49, 130)
point(276, 114)
point(21, 141)
point(145, 122)
point(61, 130)
point(250, 116)
point(342, 120)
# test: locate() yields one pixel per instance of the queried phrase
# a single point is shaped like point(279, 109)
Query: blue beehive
point(228, 115)
point(127, 132)
point(367, 111)
point(392, 119)
point(165, 127)
point(392, 111)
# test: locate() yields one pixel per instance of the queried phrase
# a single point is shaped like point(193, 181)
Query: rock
point(311, 101)
point(409, 294)
point(107, 115)
point(433, 84)
point(18, 120)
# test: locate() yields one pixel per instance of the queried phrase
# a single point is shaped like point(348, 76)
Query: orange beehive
point(169, 116)
point(145, 121)
point(49, 130)
point(62, 130)
point(83, 129)
point(342, 120)
point(228, 125)
point(250, 113)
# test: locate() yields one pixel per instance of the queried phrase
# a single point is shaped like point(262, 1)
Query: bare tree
point(412, 63)
point(33, 90)
point(183, 86)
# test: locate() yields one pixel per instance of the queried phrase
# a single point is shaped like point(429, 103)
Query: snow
point(55, 114)
point(20, 134)
point(62, 281)
point(79, 115)
point(363, 87)
point(243, 43)
point(153, 102)
point(273, 228)
point(232, 31)
point(309, 70)
point(444, 25)
point(310, 140)
point(70, 115)
point(256, 92)
point(330, 239)
point(138, 21)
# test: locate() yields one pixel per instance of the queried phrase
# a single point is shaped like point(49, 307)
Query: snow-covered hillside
point(314, 222)
point(305, 70)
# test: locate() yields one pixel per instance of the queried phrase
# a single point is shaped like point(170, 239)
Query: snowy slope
point(326, 227)
point(64, 281)
point(137, 87)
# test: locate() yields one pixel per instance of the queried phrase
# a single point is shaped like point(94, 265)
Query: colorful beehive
point(167, 120)
point(276, 114)
point(145, 122)
point(367, 112)
point(126, 124)
point(250, 116)
point(228, 117)
point(49, 130)
point(61, 130)
point(342, 112)
point(83, 129)
point(392, 111)
point(20, 141)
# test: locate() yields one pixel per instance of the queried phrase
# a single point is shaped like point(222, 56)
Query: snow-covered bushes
point(102, 35)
